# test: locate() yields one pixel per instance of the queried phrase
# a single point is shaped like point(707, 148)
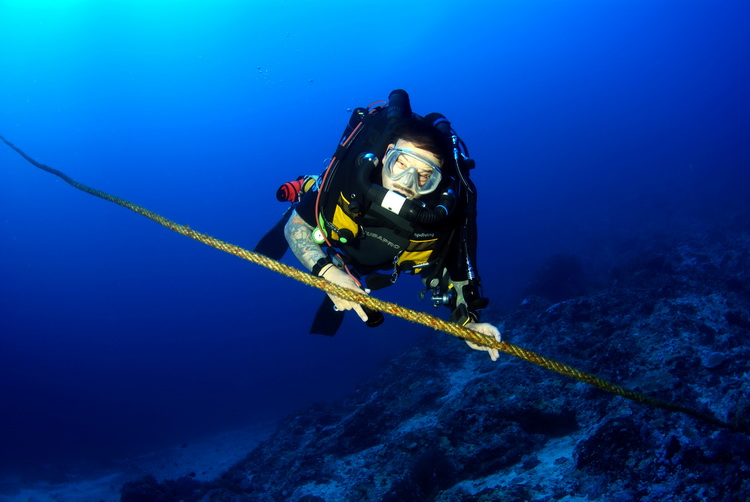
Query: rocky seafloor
point(443, 423)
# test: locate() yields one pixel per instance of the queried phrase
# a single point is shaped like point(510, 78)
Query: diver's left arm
point(486, 329)
point(481, 327)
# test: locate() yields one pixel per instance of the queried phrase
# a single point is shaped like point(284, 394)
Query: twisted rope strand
point(376, 304)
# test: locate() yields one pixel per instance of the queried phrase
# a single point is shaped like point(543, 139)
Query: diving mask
point(411, 170)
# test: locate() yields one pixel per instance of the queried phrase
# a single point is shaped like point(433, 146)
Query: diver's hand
point(340, 278)
point(486, 329)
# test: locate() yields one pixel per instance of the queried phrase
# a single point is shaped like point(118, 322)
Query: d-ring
point(336, 308)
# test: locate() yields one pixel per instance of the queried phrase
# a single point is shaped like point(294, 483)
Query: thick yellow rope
point(375, 304)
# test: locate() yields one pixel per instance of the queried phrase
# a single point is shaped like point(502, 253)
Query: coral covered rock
point(444, 423)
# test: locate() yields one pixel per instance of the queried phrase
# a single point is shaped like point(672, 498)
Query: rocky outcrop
point(444, 423)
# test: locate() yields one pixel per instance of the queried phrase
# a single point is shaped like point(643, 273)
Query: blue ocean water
point(591, 122)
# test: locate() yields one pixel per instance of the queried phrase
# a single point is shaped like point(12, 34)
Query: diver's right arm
point(299, 236)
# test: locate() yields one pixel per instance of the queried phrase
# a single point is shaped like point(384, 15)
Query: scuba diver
point(395, 199)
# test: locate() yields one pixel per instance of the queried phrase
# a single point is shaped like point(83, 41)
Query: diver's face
point(423, 170)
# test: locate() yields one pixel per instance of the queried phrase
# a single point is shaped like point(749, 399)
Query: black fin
point(274, 243)
point(327, 321)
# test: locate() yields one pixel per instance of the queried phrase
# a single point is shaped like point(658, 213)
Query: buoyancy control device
point(348, 192)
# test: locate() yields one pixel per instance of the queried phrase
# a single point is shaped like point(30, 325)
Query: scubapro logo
point(382, 239)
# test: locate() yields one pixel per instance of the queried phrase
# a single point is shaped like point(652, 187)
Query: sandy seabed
point(204, 460)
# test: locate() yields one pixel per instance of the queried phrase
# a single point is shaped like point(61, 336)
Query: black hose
point(415, 211)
